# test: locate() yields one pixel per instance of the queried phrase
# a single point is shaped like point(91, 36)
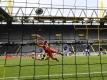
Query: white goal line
point(52, 75)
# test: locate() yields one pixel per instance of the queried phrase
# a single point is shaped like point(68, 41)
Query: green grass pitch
point(72, 68)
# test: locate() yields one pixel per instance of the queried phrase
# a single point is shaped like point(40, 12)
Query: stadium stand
point(9, 48)
point(49, 33)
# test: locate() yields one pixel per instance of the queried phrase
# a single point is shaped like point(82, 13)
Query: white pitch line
point(53, 75)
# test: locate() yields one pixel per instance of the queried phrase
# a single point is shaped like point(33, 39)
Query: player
point(47, 50)
point(33, 55)
point(87, 50)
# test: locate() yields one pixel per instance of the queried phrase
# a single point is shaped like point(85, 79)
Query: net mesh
point(79, 62)
point(82, 57)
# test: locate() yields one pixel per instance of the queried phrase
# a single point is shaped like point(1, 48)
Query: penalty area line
point(53, 75)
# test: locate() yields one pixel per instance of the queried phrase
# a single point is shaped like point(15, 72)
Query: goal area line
point(53, 75)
